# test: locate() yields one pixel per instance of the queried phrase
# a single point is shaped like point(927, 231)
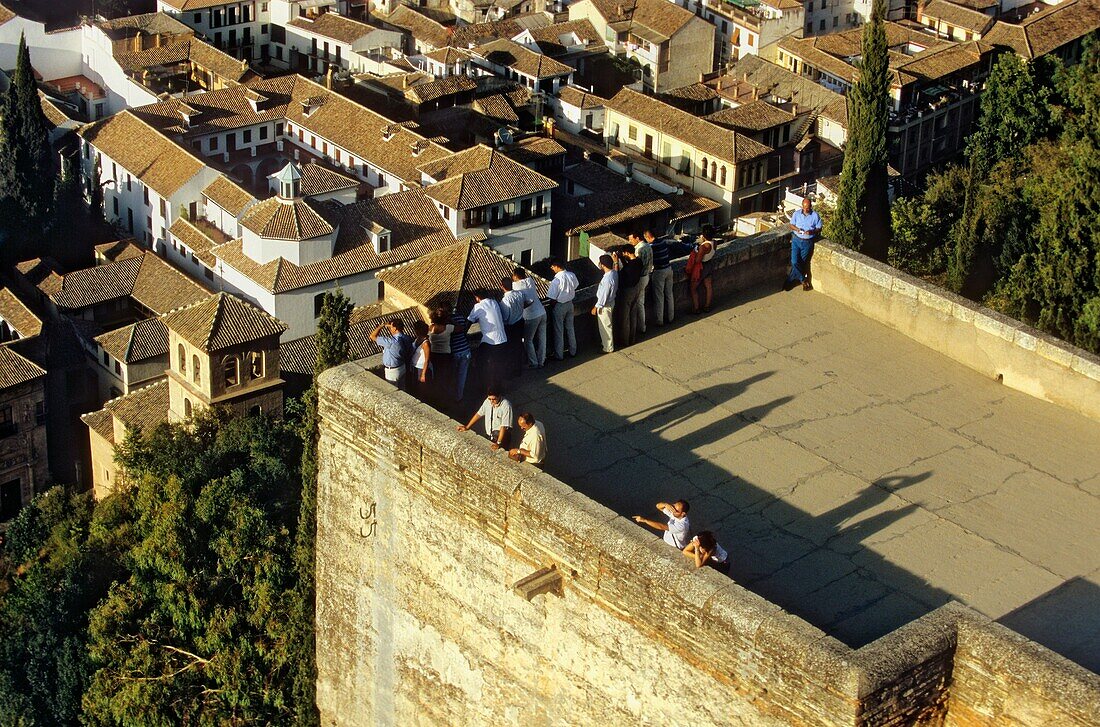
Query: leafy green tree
point(196, 633)
point(26, 178)
point(923, 223)
point(1015, 112)
point(52, 581)
point(332, 350)
point(862, 220)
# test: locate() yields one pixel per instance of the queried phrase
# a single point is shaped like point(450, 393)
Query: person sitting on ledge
point(704, 550)
point(678, 527)
point(533, 447)
point(497, 413)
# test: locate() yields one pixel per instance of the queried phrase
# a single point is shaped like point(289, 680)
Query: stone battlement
point(423, 532)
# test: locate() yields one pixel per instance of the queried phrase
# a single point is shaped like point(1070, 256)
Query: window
point(525, 258)
point(713, 171)
point(255, 411)
point(836, 19)
point(182, 355)
point(195, 368)
point(381, 290)
point(129, 183)
point(809, 28)
point(7, 423)
point(723, 173)
point(106, 358)
point(231, 367)
point(118, 368)
point(248, 136)
point(213, 144)
point(40, 412)
point(263, 29)
point(164, 209)
point(823, 4)
point(257, 367)
point(703, 167)
point(632, 132)
point(187, 407)
point(263, 133)
point(197, 18)
point(821, 25)
point(318, 301)
point(115, 204)
point(145, 194)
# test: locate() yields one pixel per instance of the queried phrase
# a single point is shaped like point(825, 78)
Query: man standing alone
point(805, 227)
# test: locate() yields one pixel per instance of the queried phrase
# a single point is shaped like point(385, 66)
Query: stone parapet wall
point(997, 346)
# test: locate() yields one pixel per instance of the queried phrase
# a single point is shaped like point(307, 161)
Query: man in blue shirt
point(805, 227)
point(605, 302)
point(396, 347)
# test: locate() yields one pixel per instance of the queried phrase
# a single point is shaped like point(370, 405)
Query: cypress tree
point(332, 350)
point(862, 218)
point(26, 178)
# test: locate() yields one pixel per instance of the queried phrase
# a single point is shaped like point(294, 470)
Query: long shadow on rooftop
point(1067, 615)
point(696, 446)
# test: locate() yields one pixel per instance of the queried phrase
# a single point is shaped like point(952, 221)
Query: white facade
point(54, 55)
point(321, 51)
point(98, 64)
point(239, 28)
point(573, 118)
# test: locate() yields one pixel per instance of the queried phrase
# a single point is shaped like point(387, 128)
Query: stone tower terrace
point(858, 479)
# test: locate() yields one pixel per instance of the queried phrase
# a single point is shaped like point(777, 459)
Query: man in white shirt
point(677, 531)
point(605, 302)
point(511, 310)
point(486, 314)
point(496, 411)
point(534, 319)
point(563, 288)
point(533, 447)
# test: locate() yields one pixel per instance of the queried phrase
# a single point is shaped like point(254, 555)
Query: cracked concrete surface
point(857, 478)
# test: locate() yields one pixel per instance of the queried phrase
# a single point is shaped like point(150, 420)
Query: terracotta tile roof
point(118, 250)
point(957, 15)
point(150, 281)
point(556, 39)
point(692, 92)
point(606, 208)
point(194, 4)
point(580, 98)
point(101, 422)
point(226, 108)
point(689, 204)
point(279, 219)
point(837, 110)
point(510, 54)
point(519, 95)
point(222, 321)
point(43, 274)
point(137, 342)
point(772, 82)
point(143, 409)
point(55, 112)
point(1048, 30)
point(197, 239)
point(320, 180)
point(660, 16)
point(228, 195)
point(421, 87)
point(713, 140)
point(160, 164)
point(15, 369)
point(186, 50)
point(593, 176)
point(334, 26)
point(496, 107)
point(300, 355)
point(534, 148)
point(478, 33)
point(450, 277)
point(978, 4)
point(448, 55)
point(415, 229)
point(940, 62)
point(419, 26)
point(480, 176)
point(754, 116)
point(5, 14)
point(148, 23)
point(18, 315)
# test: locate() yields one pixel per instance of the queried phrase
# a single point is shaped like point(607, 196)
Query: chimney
point(755, 93)
point(328, 76)
point(405, 81)
point(619, 9)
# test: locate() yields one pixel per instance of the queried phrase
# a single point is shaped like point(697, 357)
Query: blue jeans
point(801, 252)
point(461, 363)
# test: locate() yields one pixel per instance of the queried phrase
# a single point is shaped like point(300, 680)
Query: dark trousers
point(515, 354)
point(802, 251)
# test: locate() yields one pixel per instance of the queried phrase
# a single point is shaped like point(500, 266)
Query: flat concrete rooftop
point(857, 478)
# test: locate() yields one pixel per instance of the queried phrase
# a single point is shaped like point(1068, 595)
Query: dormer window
point(379, 237)
point(189, 114)
point(419, 146)
point(311, 104)
point(255, 100)
point(388, 131)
